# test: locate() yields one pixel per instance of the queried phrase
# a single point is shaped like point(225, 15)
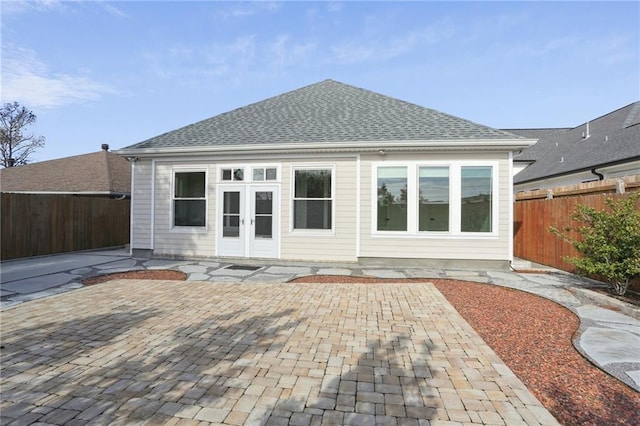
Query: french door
point(248, 221)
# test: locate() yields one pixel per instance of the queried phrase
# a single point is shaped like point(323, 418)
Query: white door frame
point(245, 243)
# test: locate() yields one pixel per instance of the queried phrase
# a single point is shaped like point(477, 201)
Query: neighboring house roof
point(322, 113)
point(98, 173)
point(607, 140)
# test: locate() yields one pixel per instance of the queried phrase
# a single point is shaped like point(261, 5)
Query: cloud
point(14, 7)
point(243, 10)
point(384, 49)
point(26, 79)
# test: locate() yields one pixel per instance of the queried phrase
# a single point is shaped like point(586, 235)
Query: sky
point(97, 72)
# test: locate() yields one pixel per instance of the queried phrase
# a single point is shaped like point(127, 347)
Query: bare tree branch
point(15, 143)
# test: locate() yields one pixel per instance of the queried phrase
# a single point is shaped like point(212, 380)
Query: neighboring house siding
point(169, 240)
point(339, 245)
point(456, 247)
point(141, 209)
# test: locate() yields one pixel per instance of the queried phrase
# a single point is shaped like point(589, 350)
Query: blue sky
point(120, 72)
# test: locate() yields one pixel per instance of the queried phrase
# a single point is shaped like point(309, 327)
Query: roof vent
point(105, 147)
point(585, 135)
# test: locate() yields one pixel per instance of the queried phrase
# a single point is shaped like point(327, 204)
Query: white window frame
point(310, 167)
point(248, 173)
point(189, 229)
point(455, 199)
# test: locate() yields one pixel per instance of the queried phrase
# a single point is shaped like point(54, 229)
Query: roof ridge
point(633, 117)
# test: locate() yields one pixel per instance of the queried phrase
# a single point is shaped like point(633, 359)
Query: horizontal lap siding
point(450, 247)
point(179, 242)
point(141, 210)
point(340, 246)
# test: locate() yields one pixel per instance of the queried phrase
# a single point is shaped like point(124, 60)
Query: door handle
point(242, 221)
point(251, 221)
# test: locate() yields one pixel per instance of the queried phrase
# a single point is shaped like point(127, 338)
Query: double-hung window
point(189, 198)
point(312, 198)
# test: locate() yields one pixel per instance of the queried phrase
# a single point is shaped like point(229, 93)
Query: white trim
point(312, 232)
point(131, 207)
point(455, 191)
point(511, 212)
point(346, 146)
point(189, 229)
point(358, 200)
point(152, 231)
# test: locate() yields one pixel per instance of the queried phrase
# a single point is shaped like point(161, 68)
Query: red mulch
point(532, 335)
point(138, 275)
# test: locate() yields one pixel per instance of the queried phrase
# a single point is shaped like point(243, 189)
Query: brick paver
point(198, 353)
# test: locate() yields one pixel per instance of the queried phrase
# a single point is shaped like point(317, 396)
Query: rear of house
point(328, 172)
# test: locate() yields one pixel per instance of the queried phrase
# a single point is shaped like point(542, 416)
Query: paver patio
point(165, 352)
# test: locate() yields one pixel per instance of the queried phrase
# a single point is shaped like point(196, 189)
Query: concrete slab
point(334, 271)
point(286, 270)
point(599, 314)
point(19, 269)
point(607, 346)
point(37, 284)
point(635, 376)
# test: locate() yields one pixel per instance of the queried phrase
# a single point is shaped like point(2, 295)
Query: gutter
point(337, 147)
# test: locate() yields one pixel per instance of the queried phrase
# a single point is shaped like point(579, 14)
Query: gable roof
point(323, 113)
point(609, 139)
point(98, 173)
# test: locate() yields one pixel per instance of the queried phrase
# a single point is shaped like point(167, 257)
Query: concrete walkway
point(609, 334)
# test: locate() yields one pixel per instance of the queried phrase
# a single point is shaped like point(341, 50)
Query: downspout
point(600, 175)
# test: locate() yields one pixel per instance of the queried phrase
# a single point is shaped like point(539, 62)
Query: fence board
point(37, 224)
point(532, 239)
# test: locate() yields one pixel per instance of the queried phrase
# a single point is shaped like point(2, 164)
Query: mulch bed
point(532, 335)
point(164, 274)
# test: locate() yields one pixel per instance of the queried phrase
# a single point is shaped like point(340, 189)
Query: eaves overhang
point(334, 147)
point(578, 170)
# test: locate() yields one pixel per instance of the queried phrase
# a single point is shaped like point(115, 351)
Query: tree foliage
point(15, 142)
point(609, 241)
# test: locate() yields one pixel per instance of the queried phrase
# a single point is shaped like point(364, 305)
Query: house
point(102, 174)
point(606, 147)
point(328, 172)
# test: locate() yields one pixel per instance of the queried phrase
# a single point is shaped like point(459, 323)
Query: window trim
point(248, 173)
point(292, 187)
point(455, 200)
point(189, 229)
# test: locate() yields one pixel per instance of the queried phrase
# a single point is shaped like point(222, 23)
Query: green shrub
point(609, 242)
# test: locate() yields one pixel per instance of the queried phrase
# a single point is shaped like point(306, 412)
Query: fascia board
point(367, 146)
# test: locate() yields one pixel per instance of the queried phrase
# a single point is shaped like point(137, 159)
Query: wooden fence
point(536, 211)
point(36, 224)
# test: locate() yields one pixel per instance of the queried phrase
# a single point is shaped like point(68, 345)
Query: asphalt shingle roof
point(612, 138)
point(100, 172)
point(327, 111)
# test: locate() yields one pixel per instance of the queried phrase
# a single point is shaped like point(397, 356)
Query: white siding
point(141, 210)
point(337, 246)
point(177, 241)
point(456, 247)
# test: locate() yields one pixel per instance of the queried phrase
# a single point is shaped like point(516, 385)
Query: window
point(433, 199)
point(312, 199)
point(233, 175)
point(189, 200)
point(476, 202)
point(392, 199)
point(262, 174)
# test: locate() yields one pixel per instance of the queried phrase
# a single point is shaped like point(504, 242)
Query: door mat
point(244, 267)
